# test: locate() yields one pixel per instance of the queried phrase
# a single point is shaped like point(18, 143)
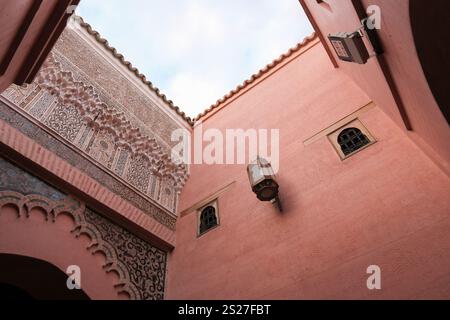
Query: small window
point(208, 218)
point(351, 139)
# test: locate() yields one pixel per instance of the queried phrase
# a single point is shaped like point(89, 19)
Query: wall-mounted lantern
point(263, 181)
point(350, 46)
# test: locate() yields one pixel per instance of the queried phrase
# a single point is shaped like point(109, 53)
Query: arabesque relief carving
point(101, 117)
point(140, 266)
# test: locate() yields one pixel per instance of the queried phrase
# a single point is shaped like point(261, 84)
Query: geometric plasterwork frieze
point(140, 266)
point(120, 159)
point(83, 101)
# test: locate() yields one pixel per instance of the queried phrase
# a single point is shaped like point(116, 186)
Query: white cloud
point(191, 88)
point(195, 51)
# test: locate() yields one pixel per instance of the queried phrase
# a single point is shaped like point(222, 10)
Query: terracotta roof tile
point(170, 103)
point(256, 76)
point(133, 69)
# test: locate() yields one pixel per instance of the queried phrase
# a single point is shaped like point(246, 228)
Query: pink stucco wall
point(388, 205)
point(53, 242)
point(430, 130)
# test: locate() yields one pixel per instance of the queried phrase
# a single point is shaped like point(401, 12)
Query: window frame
point(215, 205)
point(357, 124)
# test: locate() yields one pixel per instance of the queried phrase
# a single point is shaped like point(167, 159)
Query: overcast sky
point(196, 51)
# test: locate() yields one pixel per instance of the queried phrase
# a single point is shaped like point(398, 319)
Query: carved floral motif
point(66, 121)
point(101, 117)
point(138, 173)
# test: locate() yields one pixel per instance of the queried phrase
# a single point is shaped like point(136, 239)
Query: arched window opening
point(208, 219)
point(351, 140)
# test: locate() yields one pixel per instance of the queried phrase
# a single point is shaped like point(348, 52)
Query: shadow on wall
point(25, 278)
point(429, 23)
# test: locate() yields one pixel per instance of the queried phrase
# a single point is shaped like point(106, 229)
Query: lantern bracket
point(277, 203)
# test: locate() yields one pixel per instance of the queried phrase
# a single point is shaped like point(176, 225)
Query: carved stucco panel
point(102, 117)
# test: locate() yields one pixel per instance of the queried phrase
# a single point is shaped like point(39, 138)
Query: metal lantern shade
point(262, 180)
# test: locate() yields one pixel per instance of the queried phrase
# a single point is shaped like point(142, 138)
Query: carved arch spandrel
point(25, 204)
